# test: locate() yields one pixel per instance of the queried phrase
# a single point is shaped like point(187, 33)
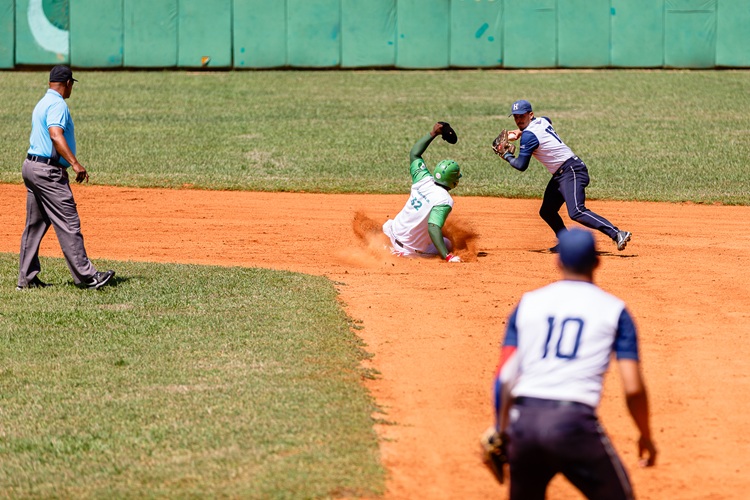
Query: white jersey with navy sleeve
point(540, 140)
point(565, 334)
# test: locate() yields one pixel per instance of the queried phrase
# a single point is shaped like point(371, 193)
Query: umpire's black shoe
point(99, 280)
point(35, 283)
point(621, 239)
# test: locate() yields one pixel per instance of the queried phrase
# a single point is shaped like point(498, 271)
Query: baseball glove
point(502, 144)
point(447, 133)
point(495, 452)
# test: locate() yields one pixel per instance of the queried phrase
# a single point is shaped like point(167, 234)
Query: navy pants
point(549, 437)
point(567, 186)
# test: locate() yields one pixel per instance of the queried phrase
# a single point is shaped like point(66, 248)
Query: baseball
point(512, 136)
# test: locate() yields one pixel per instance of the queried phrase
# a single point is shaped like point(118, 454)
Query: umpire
point(49, 199)
point(557, 348)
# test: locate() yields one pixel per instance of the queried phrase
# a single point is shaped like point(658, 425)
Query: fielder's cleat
point(555, 249)
point(35, 283)
point(621, 239)
point(99, 280)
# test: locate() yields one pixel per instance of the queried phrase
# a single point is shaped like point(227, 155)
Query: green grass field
point(196, 381)
point(646, 135)
point(182, 381)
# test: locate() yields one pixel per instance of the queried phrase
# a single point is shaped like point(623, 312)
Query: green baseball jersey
point(438, 213)
point(428, 203)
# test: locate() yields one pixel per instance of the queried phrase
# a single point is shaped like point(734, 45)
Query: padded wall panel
point(42, 32)
point(732, 34)
point(583, 30)
point(476, 33)
point(96, 33)
point(7, 33)
point(422, 33)
point(690, 33)
point(530, 33)
point(637, 33)
point(314, 33)
point(204, 33)
point(150, 33)
point(368, 33)
point(259, 30)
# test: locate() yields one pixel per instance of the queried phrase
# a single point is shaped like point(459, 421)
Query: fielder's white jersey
point(565, 334)
point(540, 140)
point(409, 227)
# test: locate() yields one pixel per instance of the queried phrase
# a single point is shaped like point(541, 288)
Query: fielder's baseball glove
point(495, 452)
point(502, 145)
point(447, 133)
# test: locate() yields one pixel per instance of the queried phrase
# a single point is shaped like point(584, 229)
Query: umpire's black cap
point(61, 73)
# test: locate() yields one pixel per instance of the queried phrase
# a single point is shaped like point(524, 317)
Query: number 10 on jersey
point(563, 337)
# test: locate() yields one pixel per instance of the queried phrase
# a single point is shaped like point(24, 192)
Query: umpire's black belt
point(547, 403)
point(43, 159)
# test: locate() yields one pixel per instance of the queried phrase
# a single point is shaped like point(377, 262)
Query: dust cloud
point(460, 233)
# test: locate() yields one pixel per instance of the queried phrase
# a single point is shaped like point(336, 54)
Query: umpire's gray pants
point(49, 200)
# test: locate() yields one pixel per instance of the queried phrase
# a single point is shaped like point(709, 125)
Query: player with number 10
point(557, 348)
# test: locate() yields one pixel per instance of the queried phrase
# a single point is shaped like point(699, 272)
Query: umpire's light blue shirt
point(51, 111)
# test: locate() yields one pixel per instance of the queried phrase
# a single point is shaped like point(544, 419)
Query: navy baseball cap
point(520, 107)
point(61, 73)
point(577, 250)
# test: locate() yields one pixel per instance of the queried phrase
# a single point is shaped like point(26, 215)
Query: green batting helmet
point(447, 173)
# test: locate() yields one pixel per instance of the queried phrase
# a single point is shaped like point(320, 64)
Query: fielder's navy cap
point(577, 249)
point(61, 73)
point(520, 107)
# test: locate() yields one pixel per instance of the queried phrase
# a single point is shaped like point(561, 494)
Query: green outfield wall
point(149, 33)
point(408, 34)
point(7, 33)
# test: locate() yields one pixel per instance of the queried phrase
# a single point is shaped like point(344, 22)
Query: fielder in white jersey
point(417, 229)
point(570, 176)
point(548, 384)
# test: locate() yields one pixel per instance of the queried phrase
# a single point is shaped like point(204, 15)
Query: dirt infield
point(435, 328)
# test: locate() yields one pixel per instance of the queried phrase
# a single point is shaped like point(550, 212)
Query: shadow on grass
point(113, 283)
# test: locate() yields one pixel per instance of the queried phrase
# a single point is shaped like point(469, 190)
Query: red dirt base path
point(435, 328)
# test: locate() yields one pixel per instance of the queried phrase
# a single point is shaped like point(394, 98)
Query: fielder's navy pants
point(567, 186)
point(549, 437)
